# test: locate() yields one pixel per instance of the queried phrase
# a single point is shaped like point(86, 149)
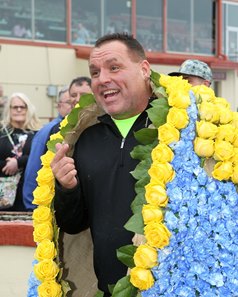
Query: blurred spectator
point(64, 107)
point(3, 100)
point(195, 72)
point(19, 30)
point(83, 36)
point(20, 122)
point(79, 86)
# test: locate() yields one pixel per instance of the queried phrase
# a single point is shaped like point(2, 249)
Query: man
point(79, 86)
point(95, 187)
point(196, 72)
point(38, 147)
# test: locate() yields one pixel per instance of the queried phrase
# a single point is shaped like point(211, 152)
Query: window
point(191, 26)
point(149, 24)
point(50, 20)
point(86, 21)
point(117, 16)
point(230, 30)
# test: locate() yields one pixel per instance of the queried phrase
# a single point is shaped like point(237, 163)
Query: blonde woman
point(17, 129)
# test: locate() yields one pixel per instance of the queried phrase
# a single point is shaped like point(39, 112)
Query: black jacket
point(102, 200)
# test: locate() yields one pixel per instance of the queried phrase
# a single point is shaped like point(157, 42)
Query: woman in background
point(17, 129)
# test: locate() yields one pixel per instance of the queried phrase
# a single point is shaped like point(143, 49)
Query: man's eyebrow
point(109, 61)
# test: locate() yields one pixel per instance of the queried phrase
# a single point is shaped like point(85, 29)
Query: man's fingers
point(61, 150)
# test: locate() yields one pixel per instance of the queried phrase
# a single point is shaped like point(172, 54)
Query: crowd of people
point(23, 140)
point(94, 187)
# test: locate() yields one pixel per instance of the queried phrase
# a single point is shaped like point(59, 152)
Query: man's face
point(76, 91)
point(65, 104)
point(120, 83)
point(196, 81)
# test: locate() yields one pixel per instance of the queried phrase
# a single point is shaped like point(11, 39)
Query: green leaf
point(99, 294)
point(64, 130)
point(138, 202)
point(51, 144)
point(135, 224)
point(141, 152)
point(124, 288)
point(146, 135)
point(125, 255)
point(65, 287)
point(140, 184)
point(158, 113)
point(72, 118)
point(86, 99)
point(155, 77)
point(141, 169)
point(160, 92)
point(111, 288)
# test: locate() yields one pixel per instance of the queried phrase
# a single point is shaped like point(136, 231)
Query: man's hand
point(63, 167)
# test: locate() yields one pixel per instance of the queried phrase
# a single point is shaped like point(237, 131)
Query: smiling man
point(95, 188)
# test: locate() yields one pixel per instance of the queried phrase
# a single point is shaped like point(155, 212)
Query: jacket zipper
point(121, 151)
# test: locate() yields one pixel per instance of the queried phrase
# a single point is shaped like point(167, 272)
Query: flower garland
point(185, 217)
point(46, 280)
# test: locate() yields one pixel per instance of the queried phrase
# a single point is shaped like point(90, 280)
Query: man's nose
point(104, 77)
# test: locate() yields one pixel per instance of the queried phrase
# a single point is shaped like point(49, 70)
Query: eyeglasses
point(18, 107)
point(66, 102)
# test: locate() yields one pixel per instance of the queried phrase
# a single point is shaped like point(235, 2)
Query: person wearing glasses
point(64, 106)
point(17, 130)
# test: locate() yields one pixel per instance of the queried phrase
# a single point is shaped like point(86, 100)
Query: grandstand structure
point(45, 44)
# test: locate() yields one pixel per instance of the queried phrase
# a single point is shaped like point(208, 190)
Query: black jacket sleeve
point(70, 210)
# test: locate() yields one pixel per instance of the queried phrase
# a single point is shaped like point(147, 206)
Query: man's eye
point(94, 74)
point(114, 67)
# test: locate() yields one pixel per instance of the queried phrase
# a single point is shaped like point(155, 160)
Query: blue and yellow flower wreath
point(185, 210)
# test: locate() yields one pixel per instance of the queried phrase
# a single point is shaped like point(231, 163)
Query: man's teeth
point(109, 92)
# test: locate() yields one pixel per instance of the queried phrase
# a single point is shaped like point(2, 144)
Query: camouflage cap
point(194, 68)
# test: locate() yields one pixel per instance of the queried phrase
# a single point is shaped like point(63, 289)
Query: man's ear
point(145, 67)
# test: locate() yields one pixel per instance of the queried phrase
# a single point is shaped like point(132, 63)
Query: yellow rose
point(43, 195)
point(234, 159)
point(43, 231)
point(164, 80)
point(45, 250)
point(47, 158)
point(145, 256)
point(226, 115)
point(209, 112)
point(155, 194)
point(203, 147)
point(178, 83)
point(157, 235)
point(235, 119)
point(42, 214)
point(235, 139)
point(162, 153)
point(206, 129)
point(141, 278)
point(56, 136)
point(222, 102)
point(177, 117)
point(46, 270)
point(207, 94)
point(45, 176)
point(64, 122)
point(49, 289)
point(222, 170)
point(234, 176)
point(223, 150)
point(226, 132)
point(178, 98)
point(151, 213)
point(168, 134)
point(161, 172)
